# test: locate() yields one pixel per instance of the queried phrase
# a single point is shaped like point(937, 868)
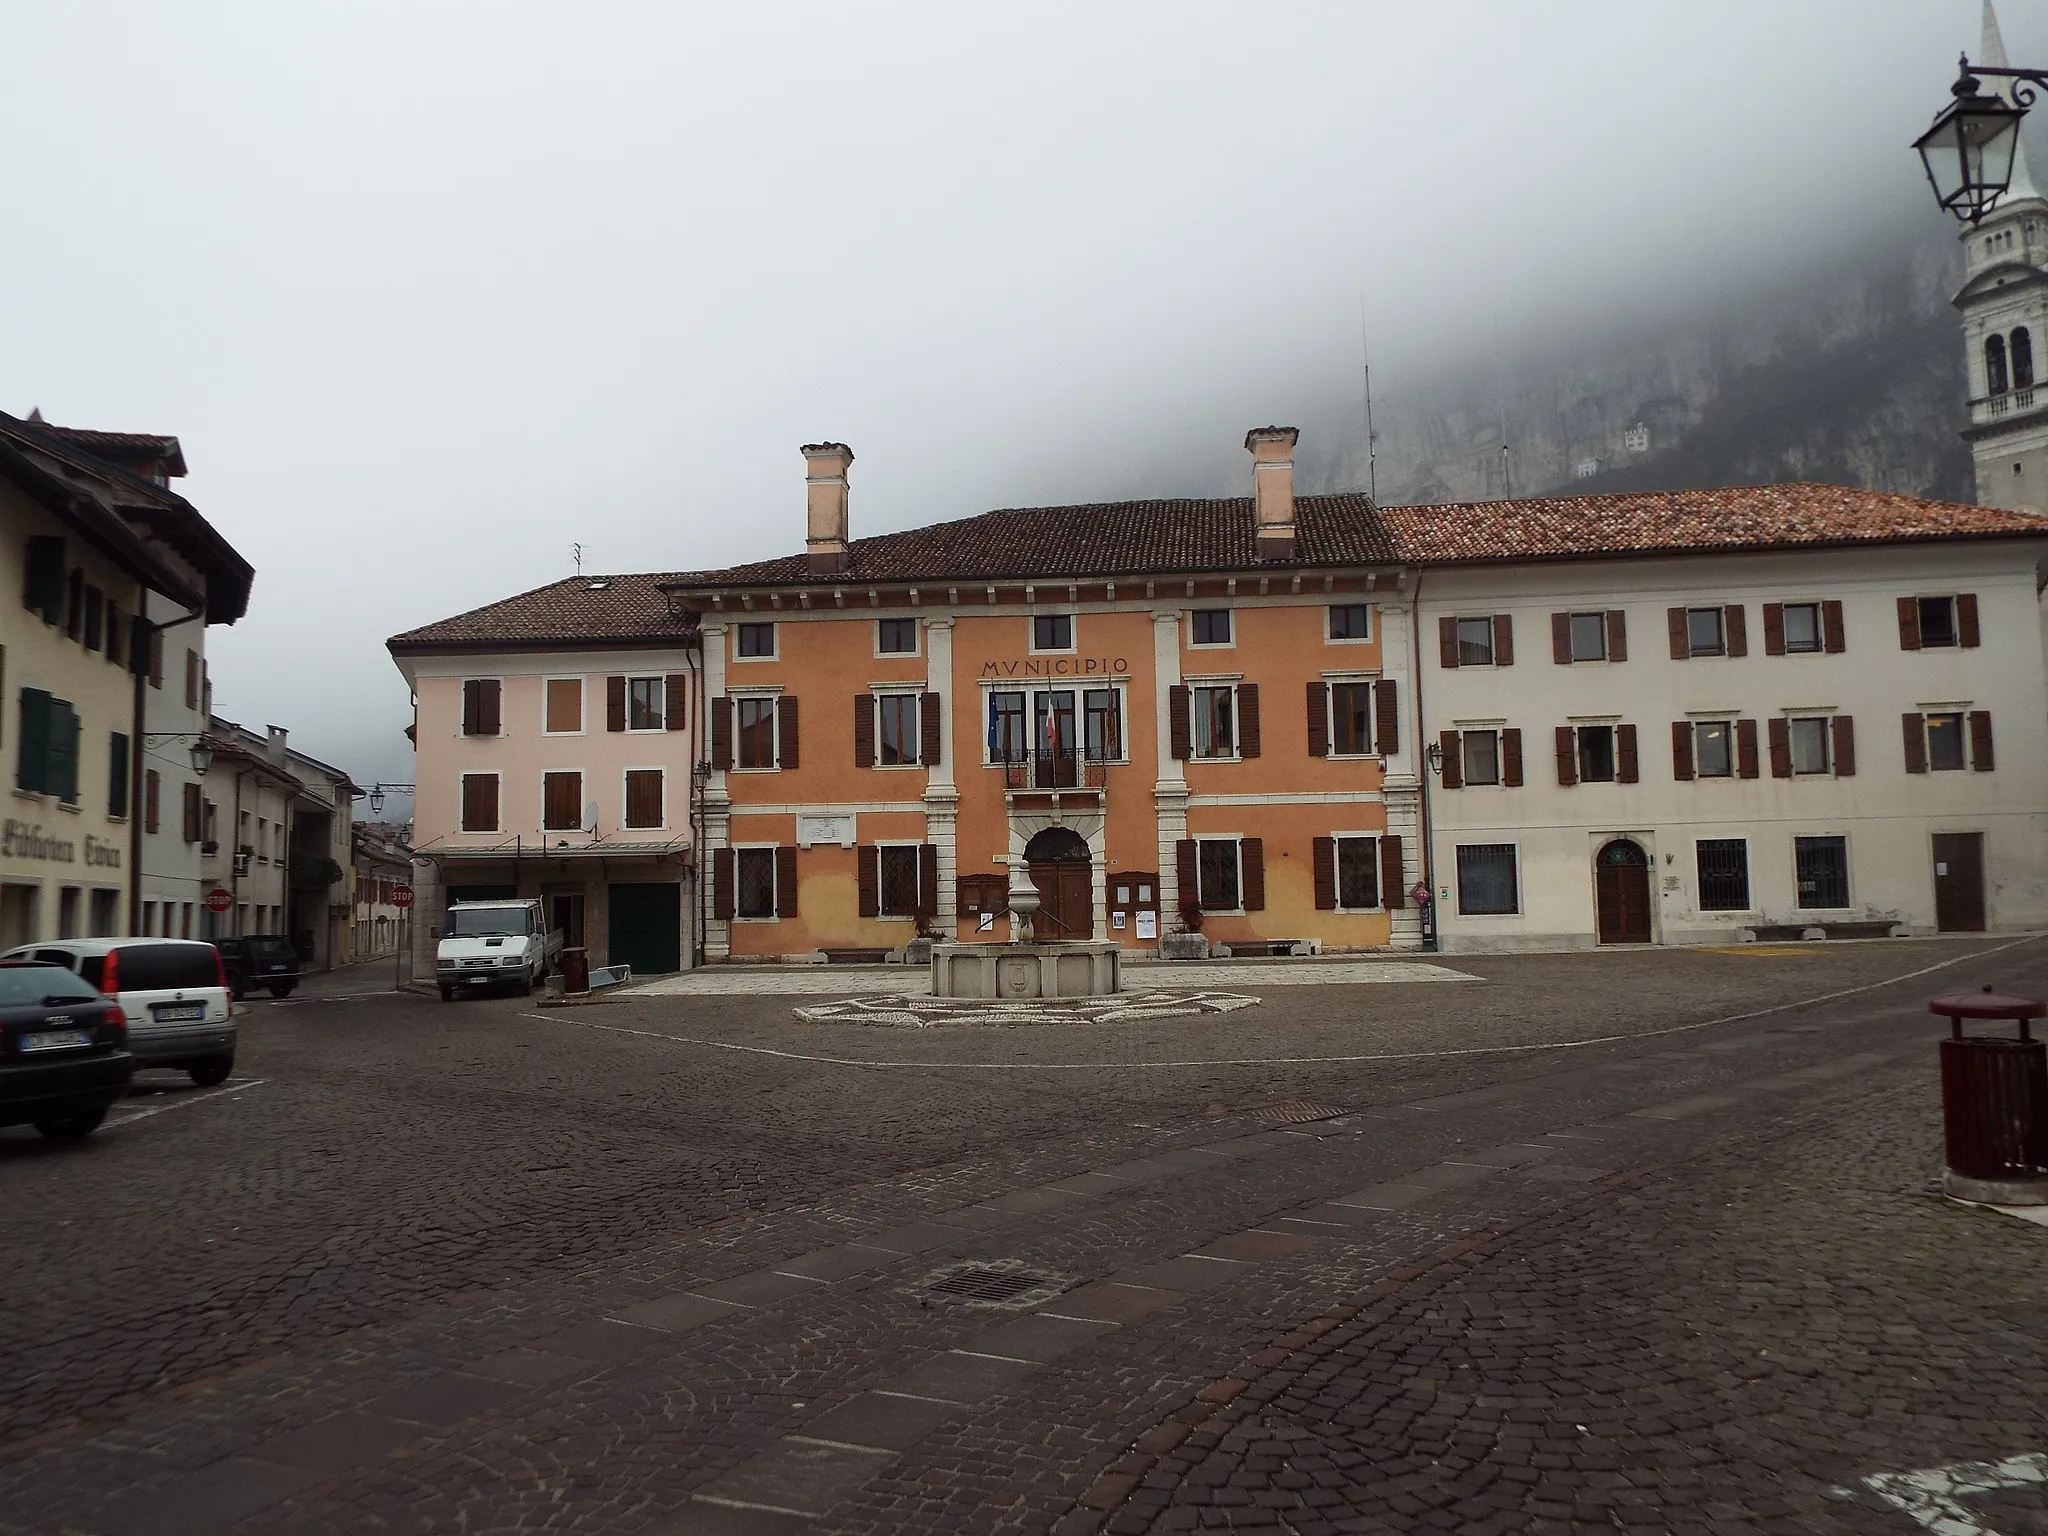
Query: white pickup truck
point(487, 944)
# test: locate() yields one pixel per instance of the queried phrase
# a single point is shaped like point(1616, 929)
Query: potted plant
point(1186, 941)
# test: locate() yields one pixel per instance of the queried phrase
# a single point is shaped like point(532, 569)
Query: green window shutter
point(32, 772)
point(63, 772)
point(117, 774)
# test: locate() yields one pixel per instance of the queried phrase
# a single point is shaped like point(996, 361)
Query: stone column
point(1402, 786)
point(941, 790)
point(424, 916)
point(1170, 791)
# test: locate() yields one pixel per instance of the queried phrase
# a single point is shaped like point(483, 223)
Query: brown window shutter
point(1318, 718)
point(1915, 728)
point(1454, 759)
point(1617, 634)
point(1774, 629)
point(1393, 878)
point(1251, 881)
point(1326, 874)
point(1909, 623)
point(193, 813)
point(927, 877)
point(1503, 640)
point(869, 858)
point(1177, 720)
point(1746, 765)
point(494, 719)
point(1980, 740)
point(1625, 766)
point(1781, 747)
point(721, 733)
point(721, 884)
point(1681, 749)
point(1561, 639)
point(1736, 627)
point(785, 722)
point(1447, 642)
point(472, 707)
point(1567, 756)
point(1511, 757)
point(1681, 642)
point(931, 735)
point(1966, 619)
point(615, 703)
point(1248, 740)
point(1833, 639)
point(785, 881)
point(191, 679)
point(864, 730)
point(1386, 721)
point(675, 701)
point(152, 800)
point(1184, 866)
point(1844, 730)
point(492, 816)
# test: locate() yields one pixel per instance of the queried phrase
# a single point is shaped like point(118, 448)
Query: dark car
point(260, 960)
point(63, 1051)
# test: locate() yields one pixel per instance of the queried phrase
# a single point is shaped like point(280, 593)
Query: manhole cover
point(1000, 1283)
point(1298, 1113)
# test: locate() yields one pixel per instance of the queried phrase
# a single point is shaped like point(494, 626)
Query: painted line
point(1934, 1496)
point(1292, 1061)
point(186, 1101)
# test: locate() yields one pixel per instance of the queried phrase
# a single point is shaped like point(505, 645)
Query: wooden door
point(1621, 888)
point(1959, 882)
point(1066, 900)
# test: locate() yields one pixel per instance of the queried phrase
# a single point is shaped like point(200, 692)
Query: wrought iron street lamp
point(201, 752)
point(1968, 151)
point(378, 792)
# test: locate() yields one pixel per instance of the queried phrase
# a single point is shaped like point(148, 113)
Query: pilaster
point(1170, 790)
point(715, 830)
point(941, 792)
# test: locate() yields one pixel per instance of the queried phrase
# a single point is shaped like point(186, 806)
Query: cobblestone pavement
point(1363, 1258)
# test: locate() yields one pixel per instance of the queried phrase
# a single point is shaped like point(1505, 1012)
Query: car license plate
point(276, 968)
point(169, 1013)
point(57, 1040)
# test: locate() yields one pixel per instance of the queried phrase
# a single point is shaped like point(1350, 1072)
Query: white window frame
point(774, 702)
point(541, 784)
point(1236, 841)
point(916, 635)
point(1339, 839)
point(1465, 779)
point(774, 882)
point(1196, 685)
point(774, 640)
point(625, 799)
point(917, 883)
point(661, 682)
point(461, 797)
point(1458, 623)
point(1697, 722)
point(1213, 645)
point(1371, 628)
point(1820, 627)
point(1366, 681)
point(916, 695)
point(1826, 720)
point(1073, 645)
point(582, 703)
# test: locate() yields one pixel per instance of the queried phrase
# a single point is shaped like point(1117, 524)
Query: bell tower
point(2004, 304)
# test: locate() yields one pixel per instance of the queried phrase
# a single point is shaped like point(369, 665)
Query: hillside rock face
point(1850, 378)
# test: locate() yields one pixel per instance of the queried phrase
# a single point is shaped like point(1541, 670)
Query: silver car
point(173, 993)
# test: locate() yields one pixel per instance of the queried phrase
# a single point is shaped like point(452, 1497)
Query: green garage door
point(646, 928)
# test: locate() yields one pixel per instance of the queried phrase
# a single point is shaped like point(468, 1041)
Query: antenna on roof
point(576, 554)
point(1372, 466)
point(1500, 393)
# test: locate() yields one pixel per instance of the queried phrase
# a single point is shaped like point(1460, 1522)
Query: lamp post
point(1968, 150)
point(379, 790)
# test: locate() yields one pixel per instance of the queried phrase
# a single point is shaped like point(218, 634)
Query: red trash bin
point(576, 969)
point(1994, 1101)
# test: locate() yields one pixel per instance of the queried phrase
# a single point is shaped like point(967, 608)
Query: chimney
point(1272, 450)
point(273, 748)
point(825, 466)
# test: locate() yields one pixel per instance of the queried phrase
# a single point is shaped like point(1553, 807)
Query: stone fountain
point(1025, 968)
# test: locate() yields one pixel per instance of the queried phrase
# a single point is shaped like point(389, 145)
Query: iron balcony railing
point(2008, 402)
point(1053, 770)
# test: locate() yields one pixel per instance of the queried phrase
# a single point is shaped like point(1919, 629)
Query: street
point(1630, 1240)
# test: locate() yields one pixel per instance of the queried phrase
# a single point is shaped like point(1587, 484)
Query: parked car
point(63, 1051)
point(173, 993)
point(260, 960)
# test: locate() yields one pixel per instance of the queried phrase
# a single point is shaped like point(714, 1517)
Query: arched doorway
point(1621, 890)
point(1060, 867)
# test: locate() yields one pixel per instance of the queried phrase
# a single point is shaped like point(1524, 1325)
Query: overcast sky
point(431, 291)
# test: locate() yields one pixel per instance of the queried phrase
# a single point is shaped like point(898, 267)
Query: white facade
point(175, 706)
point(1887, 818)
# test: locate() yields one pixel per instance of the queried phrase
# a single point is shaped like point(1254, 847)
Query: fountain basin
point(1075, 968)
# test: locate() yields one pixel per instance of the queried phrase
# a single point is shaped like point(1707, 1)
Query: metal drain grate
point(994, 1283)
point(1300, 1112)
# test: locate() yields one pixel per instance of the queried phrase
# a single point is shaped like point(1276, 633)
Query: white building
point(246, 827)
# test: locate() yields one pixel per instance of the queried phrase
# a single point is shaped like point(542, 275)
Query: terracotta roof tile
point(580, 610)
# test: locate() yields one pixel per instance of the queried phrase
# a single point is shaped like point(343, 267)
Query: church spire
point(1992, 54)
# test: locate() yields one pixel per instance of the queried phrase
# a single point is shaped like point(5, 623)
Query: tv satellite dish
point(590, 816)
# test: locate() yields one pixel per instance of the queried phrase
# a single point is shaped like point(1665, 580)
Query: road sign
point(401, 896)
point(219, 899)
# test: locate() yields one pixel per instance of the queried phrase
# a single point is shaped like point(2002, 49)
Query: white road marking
point(185, 1100)
point(1933, 1496)
point(915, 981)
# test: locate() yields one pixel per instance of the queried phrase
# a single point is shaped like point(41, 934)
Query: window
point(1945, 740)
point(757, 732)
point(646, 704)
point(1713, 749)
point(1052, 632)
point(1006, 728)
point(1589, 637)
point(896, 637)
point(899, 863)
point(562, 705)
point(1211, 626)
point(95, 618)
point(1822, 867)
point(74, 604)
point(898, 714)
point(1937, 621)
point(1480, 751)
point(1475, 642)
point(193, 820)
point(479, 802)
point(1216, 874)
point(1358, 873)
point(43, 591)
point(754, 882)
point(1706, 631)
point(1215, 721)
point(117, 774)
point(1596, 754)
point(756, 640)
point(643, 797)
point(1810, 746)
point(561, 802)
point(2021, 353)
point(47, 757)
point(1350, 719)
point(1486, 879)
point(480, 706)
point(1994, 365)
point(1104, 725)
point(1350, 621)
point(1802, 627)
point(1724, 874)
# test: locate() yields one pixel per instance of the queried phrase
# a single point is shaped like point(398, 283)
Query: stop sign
point(401, 896)
point(219, 899)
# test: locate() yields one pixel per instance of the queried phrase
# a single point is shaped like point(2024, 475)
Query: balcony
point(2004, 406)
point(1057, 775)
